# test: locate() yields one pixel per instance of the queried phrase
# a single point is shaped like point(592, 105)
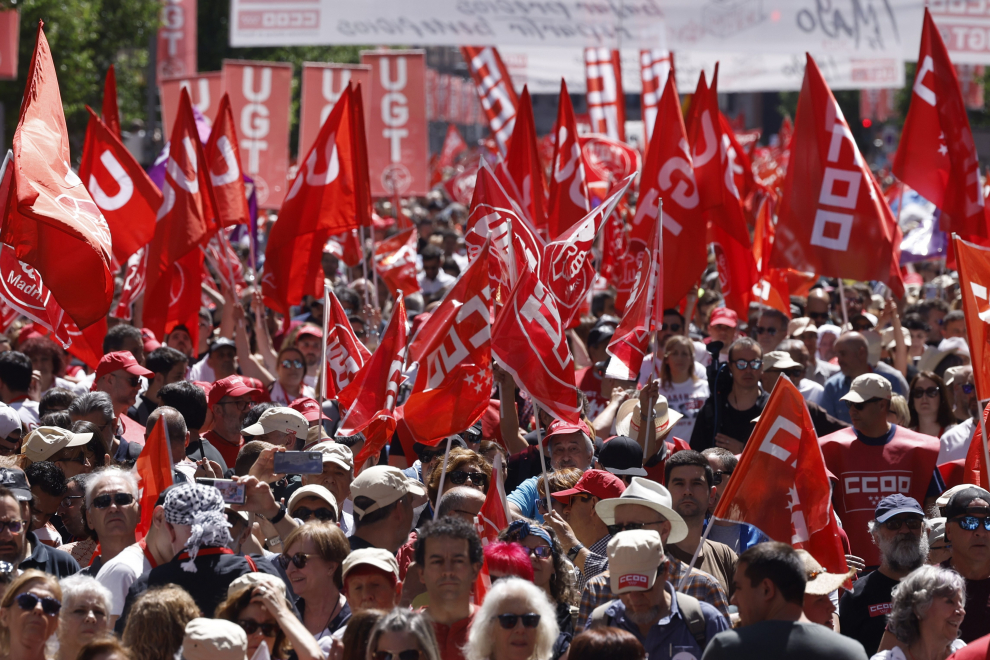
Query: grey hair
point(480, 642)
point(914, 595)
point(79, 586)
point(456, 498)
point(406, 621)
point(92, 402)
point(106, 474)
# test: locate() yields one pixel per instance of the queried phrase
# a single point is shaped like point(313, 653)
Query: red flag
point(123, 191)
point(362, 182)
point(783, 447)
point(490, 521)
point(655, 66)
point(395, 260)
point(495, 90)
point(568, 183)
point(975, 467)
point(154, 473)
point(186, 219)
point(111, 114)
point(742, 165)
point(87, 345)
point(702, 125)
point(460, 187)
point(631, 340)
point(50, 220)
point(454, 382)
point(773, 291)
point(936, 155)
point(370, 398)
point(453, 146)
point(324, 199)
point(528, 341)
point(566, 265)
point(974, 284)
point(668, 173)
point(223, 157)
point(133, 285)
point(521, 173)
point(345, 354)
point(833, 218)
point(606, 102)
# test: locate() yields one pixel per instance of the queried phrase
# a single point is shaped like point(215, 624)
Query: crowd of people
point(610, 547)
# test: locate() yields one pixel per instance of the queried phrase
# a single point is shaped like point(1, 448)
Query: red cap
point(230, 386)
point(150, 340)
point(559, 427)
point(310, 330)
point(724, 316)
point(118, 360)
point(203, 385)
point(309, 408)
point(603, 485)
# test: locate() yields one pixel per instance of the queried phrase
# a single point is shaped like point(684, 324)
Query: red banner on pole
point(10, 21)
point(396, 119)
point(205, 90)
point(177, 40)
point(654, 67)
point(606, 103)
point(495, 91)
point(260, 98)
point(322, 85)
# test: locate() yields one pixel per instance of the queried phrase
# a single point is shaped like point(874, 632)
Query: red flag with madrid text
point(395, 260)
point(345, 354)
point(223, 158)
point(568, 181)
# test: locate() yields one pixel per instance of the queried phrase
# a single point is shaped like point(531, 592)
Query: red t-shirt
point(227, 450)
point(453, 638)
point(589, 383)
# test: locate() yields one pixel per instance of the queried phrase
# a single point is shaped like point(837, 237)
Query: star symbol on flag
point(794, 500)
point(942, 149)
point(484, 380)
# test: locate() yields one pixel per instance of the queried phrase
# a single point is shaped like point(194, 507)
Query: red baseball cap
point(118, 360)
point(560, 427)
point(309, 408)
point(603, 485)
point(150, 340)
point(230, 386)
point(724, 316)
point(310, 330)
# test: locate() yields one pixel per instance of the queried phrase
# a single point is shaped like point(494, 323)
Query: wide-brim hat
point(644, 492)
point(627, 419)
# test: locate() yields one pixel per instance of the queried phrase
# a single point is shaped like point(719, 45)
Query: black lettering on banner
point(859, 19)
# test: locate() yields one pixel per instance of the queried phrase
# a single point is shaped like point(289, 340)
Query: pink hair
point(510, 559)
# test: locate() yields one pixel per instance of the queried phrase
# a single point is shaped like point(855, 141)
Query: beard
point(644, 617)
point(904, 552)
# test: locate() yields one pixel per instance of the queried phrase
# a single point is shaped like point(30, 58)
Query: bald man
point(852, 352)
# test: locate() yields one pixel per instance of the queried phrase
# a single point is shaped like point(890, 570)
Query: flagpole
point(322, 389)
point(543, 462)
point(171, 462)
point(697, 551)
point(364, 266)
point(649, 425)
point(842, 302)
point(443, 473)
point(986, 452)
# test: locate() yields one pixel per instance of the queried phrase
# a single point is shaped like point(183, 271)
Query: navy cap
point(622, 455)
point(222, 342)
point(961, 503)
point(893, 505)
point(14, 480)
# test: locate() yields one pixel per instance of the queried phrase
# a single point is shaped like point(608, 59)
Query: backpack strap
point(599, 616)
point(691, 611)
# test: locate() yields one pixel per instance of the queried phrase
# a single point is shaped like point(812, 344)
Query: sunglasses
point(673, 327)
point(509, 621)
point(14, 526)
point(913, 524)
point(67, 500)
point(718, 476)
point(541, 551)
point(968, 388)
point(931, 393)
point(615, 529)
point(862, 404)
point(80, 458)
point(240, 405)
point(27, 601)
point(133, 381)
point(323, 514)
point(408, 654)
point(298, 560)
point(250, 626)
point(460, 477)
point(120, 499)
point(743, 365)
point(972, 523)
point(818, 315)
point(290, 364)
point(770, 331)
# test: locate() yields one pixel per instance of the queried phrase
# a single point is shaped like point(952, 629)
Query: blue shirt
point(837, 387)
point(525, 496)
point(670, 635)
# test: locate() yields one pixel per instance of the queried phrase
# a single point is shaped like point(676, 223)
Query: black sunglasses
point(862, 404)
point(930, 392)
point(250, 626)
point(120, 499)
point(968, 388)
point(298, 560)
point(913, 524)
point(27, 601)
point(408, 654)
point(625, 527)
point(14, 526)
point(323, 514)
point(972, 523)
point(673, 327)
point(718, 476)
point(460, 477)
point(770, 331)
point(818, 315)
point(509, 621)
point(541, 551)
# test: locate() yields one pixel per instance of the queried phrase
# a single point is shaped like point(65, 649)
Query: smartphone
point(232, 492)
point(299, 462)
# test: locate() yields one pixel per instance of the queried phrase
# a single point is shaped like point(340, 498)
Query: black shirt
point(737, 424)
point(333, 625)
point(201, 448)
point(48, 560)
point(140, 412)
point(863, 611)
point(783, 640)
point(358, 543)
point(976, 624)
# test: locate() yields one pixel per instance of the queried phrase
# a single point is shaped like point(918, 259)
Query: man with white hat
point(214, 639)
point(337, 475)
point(875, 459)
point(43, 443)
point(313, 502)
point(371, 580)
point(668, 623)
point(852, 350)
point(818, 604)
point(280, 426)
point(384, 500)
point(646, 505)
point(780, 363)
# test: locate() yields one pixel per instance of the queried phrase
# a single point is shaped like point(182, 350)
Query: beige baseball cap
point(627, 419)
point(214, 639)
point(317, 491)
point(779, 361)
point(279, 419)
point(336, 453)
point(385, 484)
point(380, 559)
point(46, 441)
point(800, 326)
point(866, 387)
point(257, 579)
point(820, 581)
point(633, 559)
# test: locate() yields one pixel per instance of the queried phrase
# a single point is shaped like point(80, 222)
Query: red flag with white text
point(224, 161)
point(568, 180)
point(495, 91)
point(974, 284)
point(606, 102)
point(345, 354)
point(655, 66)
point(453, 146)
point(395, 260)
point(642, 314)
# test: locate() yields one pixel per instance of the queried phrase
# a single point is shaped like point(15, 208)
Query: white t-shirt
point(955, 441)
point(646, 371)
point(686, 398)
point(121, 572)
point(202, 372)
point(897, 654)
point(811, 391)
point(27, 410)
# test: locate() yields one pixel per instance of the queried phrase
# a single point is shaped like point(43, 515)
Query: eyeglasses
point(673, 327)
point(298, 560)
point(761, 330)
point(460, 477)
point(509, 621)
point(972, 523)
point(541, 551)
point(250, 626)
point(862, 404)
point(133, 381)
point(625, 527)
point(120, 499)
point(743, 365)
point(719, 475)
point(67, 500)
point(968, 388)
point(427, 456)
point(408, 654)
point(914, 524)
point(323, 514)
point(14, 526)
point(27, 601)
point(931, 393)
point(795, 374)
point(240, 405)
point(292, 364)
point(80, 458)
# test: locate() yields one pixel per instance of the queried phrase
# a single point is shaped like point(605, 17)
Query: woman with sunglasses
point(516, 622)
point(685, 390)
point(264, 614)
point(929, 406)
point(29, 616)
point(464, 468)
point(403, 635)
point(312, 558)
point(85, 614)
point(290, 370)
